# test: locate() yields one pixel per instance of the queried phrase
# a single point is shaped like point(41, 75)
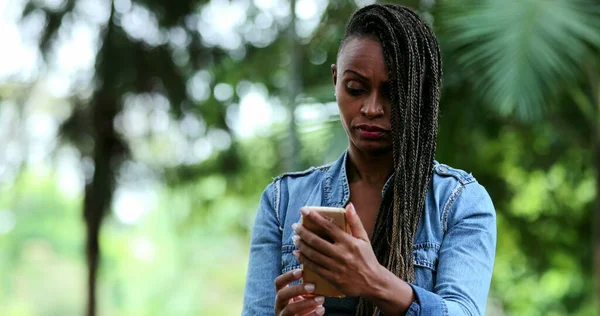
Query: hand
point(348, 263)
point(289, 300)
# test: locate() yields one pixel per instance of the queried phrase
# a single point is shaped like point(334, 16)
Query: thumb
point(356, 225)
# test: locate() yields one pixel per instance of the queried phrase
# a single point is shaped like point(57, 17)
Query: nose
point(373, 106)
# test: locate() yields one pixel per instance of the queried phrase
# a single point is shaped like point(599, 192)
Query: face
point(362, 92)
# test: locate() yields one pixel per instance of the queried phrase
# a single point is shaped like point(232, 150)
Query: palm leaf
point(517, 53)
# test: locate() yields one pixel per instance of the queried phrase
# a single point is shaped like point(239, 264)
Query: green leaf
point(518, 53)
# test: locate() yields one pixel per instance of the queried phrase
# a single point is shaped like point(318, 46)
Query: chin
point(374, 149)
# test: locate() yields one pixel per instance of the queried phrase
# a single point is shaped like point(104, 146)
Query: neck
point(373, 169)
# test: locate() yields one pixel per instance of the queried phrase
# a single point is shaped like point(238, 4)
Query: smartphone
point(338, 217)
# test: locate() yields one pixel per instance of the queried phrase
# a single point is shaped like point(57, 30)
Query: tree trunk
point(98, 195)
point(292, 149)
point(596, 221)
point(107, 151)
point(595, 94)
point(92, 260)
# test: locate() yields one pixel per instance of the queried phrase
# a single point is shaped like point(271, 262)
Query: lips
point(370, 132)
point(371, 128)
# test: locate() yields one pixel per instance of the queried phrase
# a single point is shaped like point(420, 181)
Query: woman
point(423, 234)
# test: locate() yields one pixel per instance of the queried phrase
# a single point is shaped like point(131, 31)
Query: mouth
point(371, 132)
point(371, 128)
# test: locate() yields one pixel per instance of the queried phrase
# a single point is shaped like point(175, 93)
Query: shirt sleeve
point(466, 258)
point(265, 258)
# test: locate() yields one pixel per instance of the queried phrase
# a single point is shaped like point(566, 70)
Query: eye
point(355, 88)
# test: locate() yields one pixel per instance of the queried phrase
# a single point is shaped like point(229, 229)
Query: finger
point(355, 223)
point(329, 227)
point(314, 240)
point(282, 282)
point(289, 292)
point(287, 278)
point(305, 306)
point(315, 267)
point(297, 298)
point(315, 255)
point(316, 312)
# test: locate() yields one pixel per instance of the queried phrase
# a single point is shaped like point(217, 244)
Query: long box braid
point(413, 60)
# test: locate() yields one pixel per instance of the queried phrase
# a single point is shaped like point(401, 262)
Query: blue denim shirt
point(454, 246)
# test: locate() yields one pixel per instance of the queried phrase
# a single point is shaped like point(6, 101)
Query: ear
point(334, 74)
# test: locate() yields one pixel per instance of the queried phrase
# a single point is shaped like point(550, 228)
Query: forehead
point(364, 54)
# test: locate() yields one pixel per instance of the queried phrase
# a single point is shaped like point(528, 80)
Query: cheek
point(347, 110)
point(345, 119)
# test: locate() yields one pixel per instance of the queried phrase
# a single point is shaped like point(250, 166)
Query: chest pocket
point(288, 260)
point(425, 261)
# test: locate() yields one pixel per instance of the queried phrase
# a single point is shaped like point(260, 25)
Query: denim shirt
point(454, 246)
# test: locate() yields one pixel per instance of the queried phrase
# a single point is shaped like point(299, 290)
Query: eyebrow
point(356, 73)
point(385, 83)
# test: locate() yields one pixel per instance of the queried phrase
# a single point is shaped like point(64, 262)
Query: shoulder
point(462, 194)
point(299, 176)
point(297, 181)
point(293, 186)
point(448, 182)
point(446, 173)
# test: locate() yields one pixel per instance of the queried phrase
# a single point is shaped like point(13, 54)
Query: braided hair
point(413, 61)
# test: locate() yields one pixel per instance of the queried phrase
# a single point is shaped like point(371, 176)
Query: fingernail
point(320, 310)
point(352, 209)
point(304, 211)
point(296, 253)
point(319, 299)
point(295, 239)
point(309, 287)
point(297, 272)
point(294, 226)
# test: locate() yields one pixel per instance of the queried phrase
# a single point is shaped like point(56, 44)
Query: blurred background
point(138, 135)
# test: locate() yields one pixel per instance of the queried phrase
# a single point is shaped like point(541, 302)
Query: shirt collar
point(336, 188)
